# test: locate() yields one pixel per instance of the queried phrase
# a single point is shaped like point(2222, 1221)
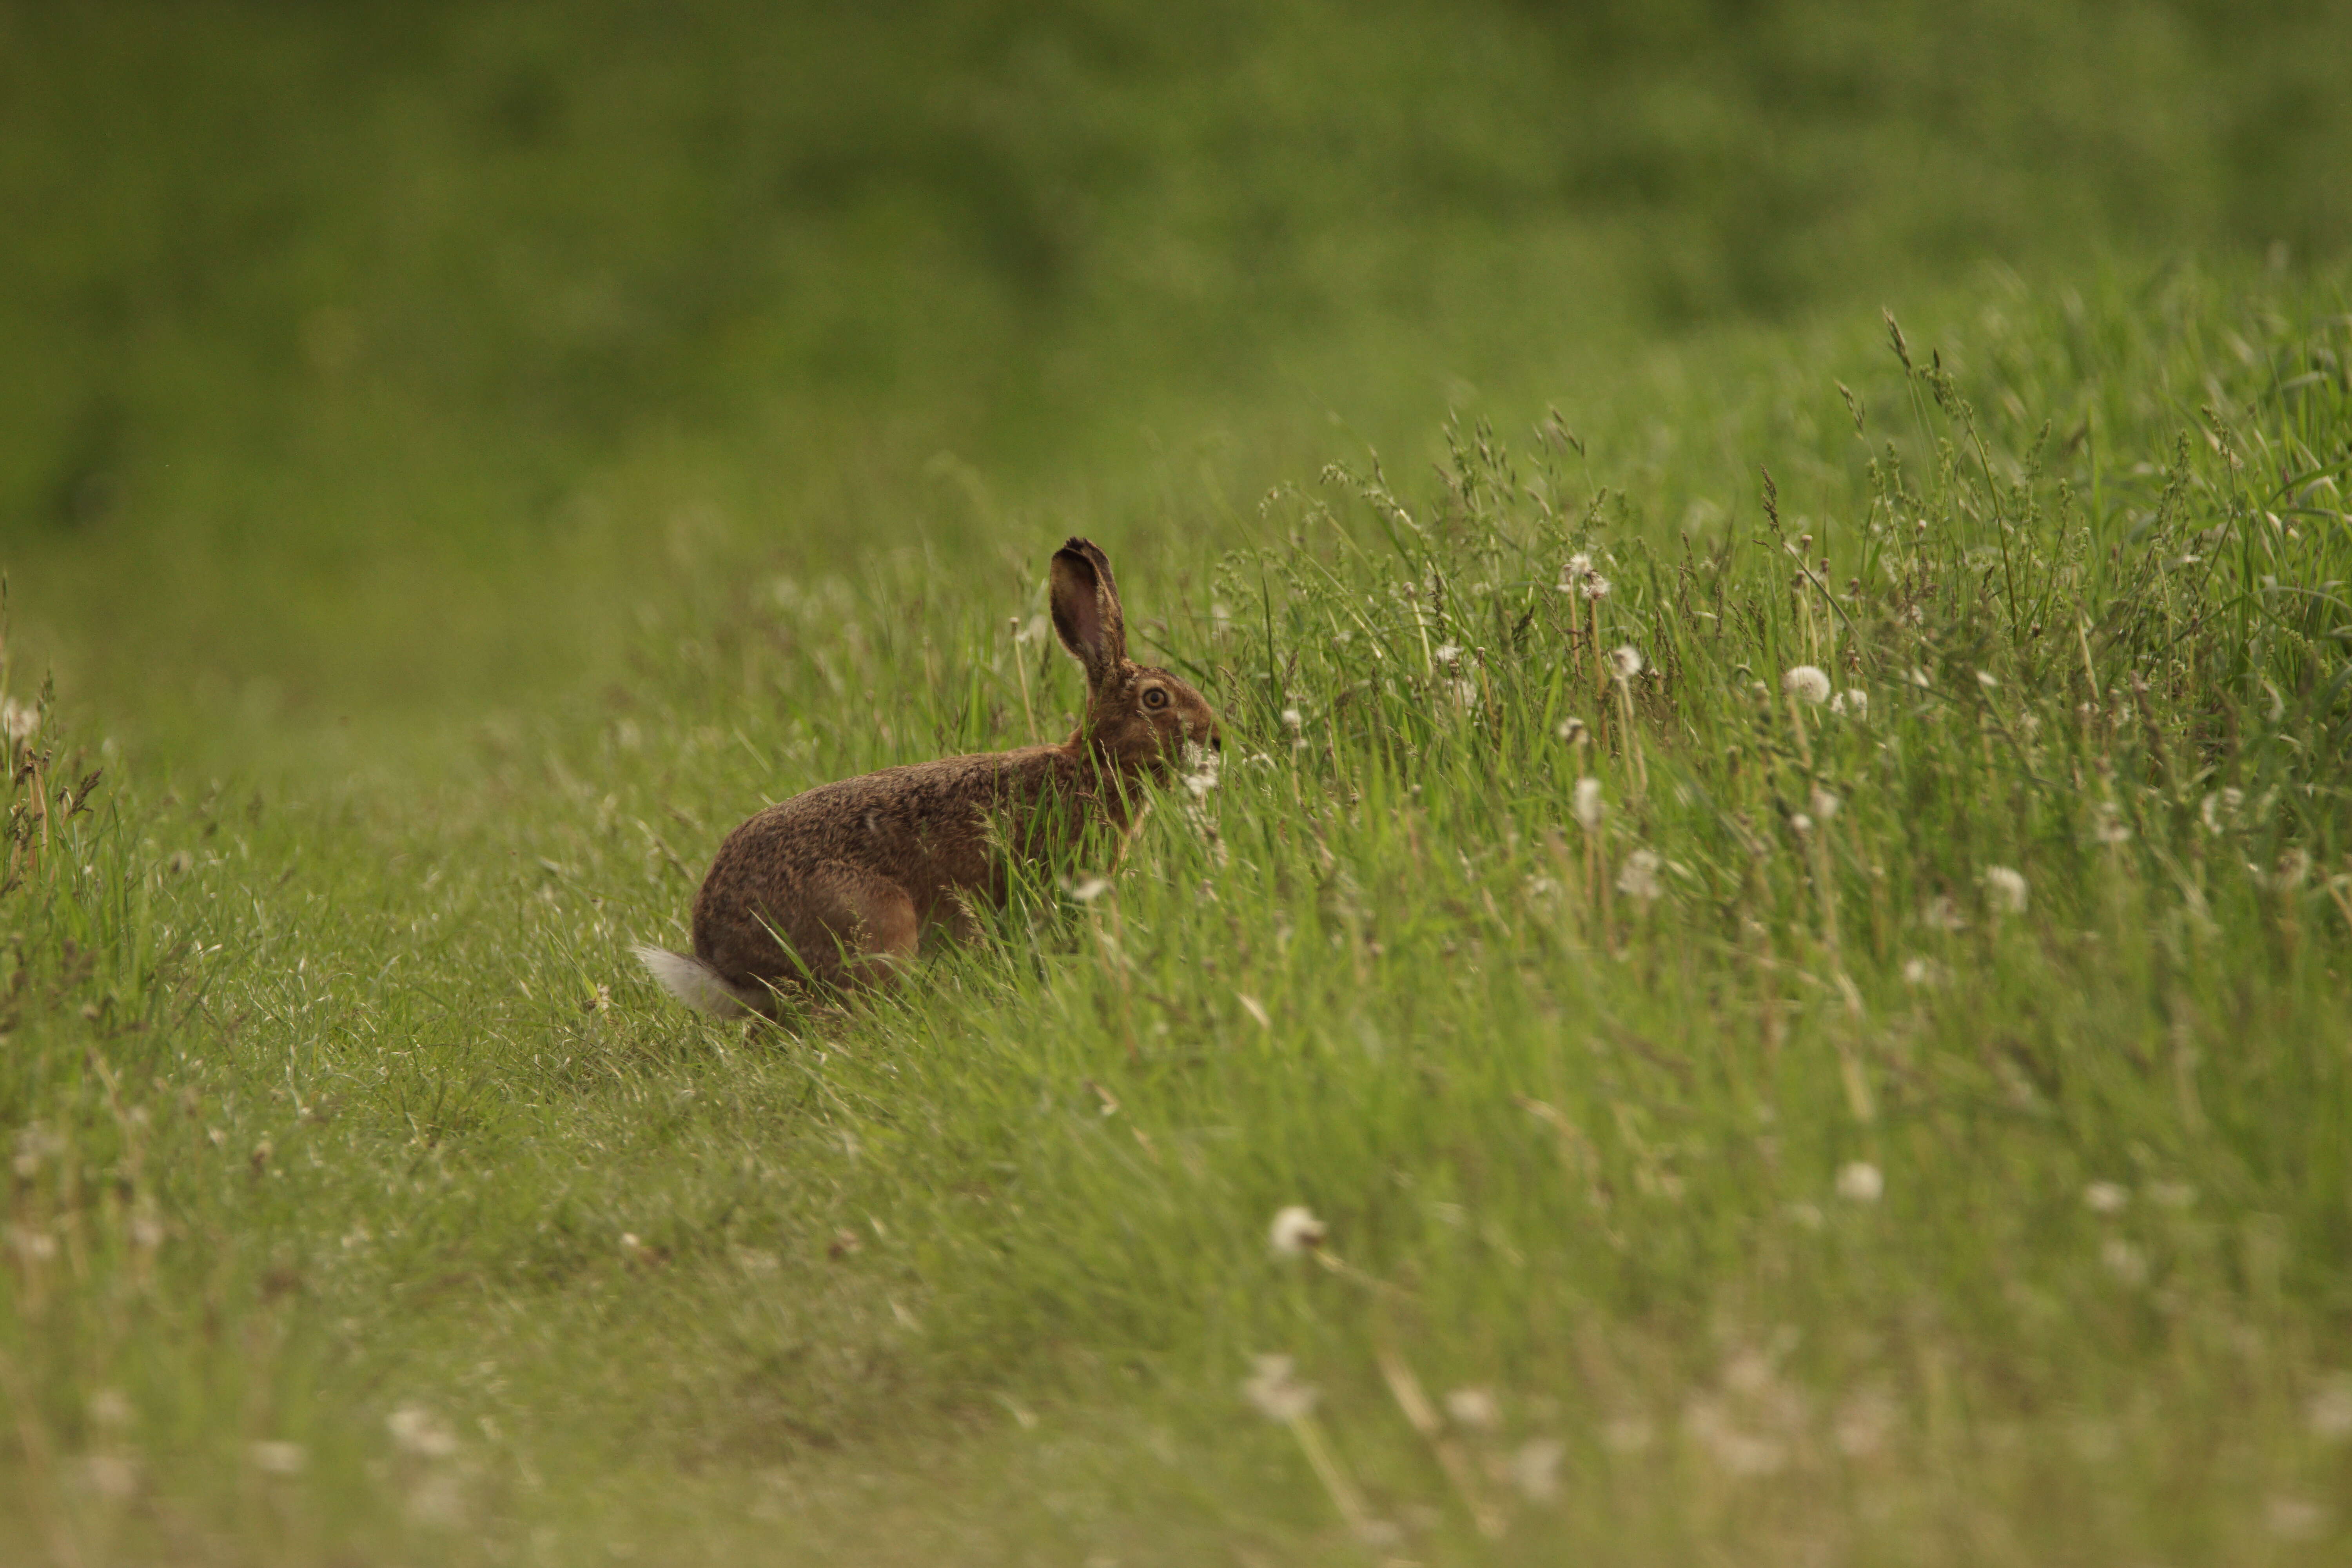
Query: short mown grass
point(1907, 1127)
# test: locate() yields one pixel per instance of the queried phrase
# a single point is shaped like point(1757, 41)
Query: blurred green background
point(387, 359)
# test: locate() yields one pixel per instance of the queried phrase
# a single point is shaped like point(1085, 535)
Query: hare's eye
point(1155, 697)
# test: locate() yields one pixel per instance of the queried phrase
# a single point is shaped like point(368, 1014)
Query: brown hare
point(833, 888)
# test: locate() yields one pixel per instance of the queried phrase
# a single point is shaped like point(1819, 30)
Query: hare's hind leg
point(857, 928)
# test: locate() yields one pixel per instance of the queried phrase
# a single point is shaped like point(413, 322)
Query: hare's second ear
point(1086, 609)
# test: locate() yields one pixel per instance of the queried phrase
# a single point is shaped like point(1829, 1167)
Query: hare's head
point(1141, 717)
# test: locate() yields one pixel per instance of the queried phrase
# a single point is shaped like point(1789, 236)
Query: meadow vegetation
point(1764, 977)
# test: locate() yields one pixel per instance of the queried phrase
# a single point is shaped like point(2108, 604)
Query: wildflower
point(1859, 1182)
point(1587, 805)
point(2106, 1197)
point(1296, 1232)
point(18, 721)
point(1800, 825)
point(1853, 704)
point(1807, 683)
point(1275, 1390)
point(1448, 654)
point(1291, 720)
point(1595, 586)
point(1474, 1408)
point(1625, 662)
point(1534, 1467)
point(2005, 889)
point(1574, 732)
point(1639, 878)
point(1825, 805)
point(1580, 567)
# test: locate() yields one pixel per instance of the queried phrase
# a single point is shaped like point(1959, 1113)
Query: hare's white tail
point(693, 982)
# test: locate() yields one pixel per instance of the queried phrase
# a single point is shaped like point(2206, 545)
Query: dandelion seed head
point(2005, 889)
point(20, 721)
point(1639, 876)
point(1296, 1232)
point(1448, 654)
point(1807, 683)
point(418, 1431)
point(1473, 1409)
point(1852, 704)
point(1860, 1181)
point(1575, 732)
point(1626, 662)
point(1594, 586)
point(1825, 805)
point(1535, 1468)
point(1587, 805)
point(1275, 1389)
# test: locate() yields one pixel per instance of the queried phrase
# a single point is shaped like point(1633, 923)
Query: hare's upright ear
point(1086, 610)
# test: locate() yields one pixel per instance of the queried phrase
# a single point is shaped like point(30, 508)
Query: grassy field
point(1910, 1127)
point(1768, 978)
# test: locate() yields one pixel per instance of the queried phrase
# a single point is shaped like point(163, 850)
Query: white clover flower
point(1296, 1232)
point(1639, 878)
point(1473, 1409)
point(1587, 805)
point(2106, 1197)
point(1860, 1181)
point(1853, 704)
point(1275, 1390)
point(1625, 662)
point(2005, 889)
point(1807, 683)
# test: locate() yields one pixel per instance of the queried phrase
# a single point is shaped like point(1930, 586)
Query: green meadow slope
point(1906, 1127)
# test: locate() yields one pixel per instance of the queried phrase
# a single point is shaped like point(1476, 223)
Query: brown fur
point(835, 887)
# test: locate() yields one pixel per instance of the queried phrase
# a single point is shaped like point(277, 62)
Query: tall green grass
point(1910, 1128)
